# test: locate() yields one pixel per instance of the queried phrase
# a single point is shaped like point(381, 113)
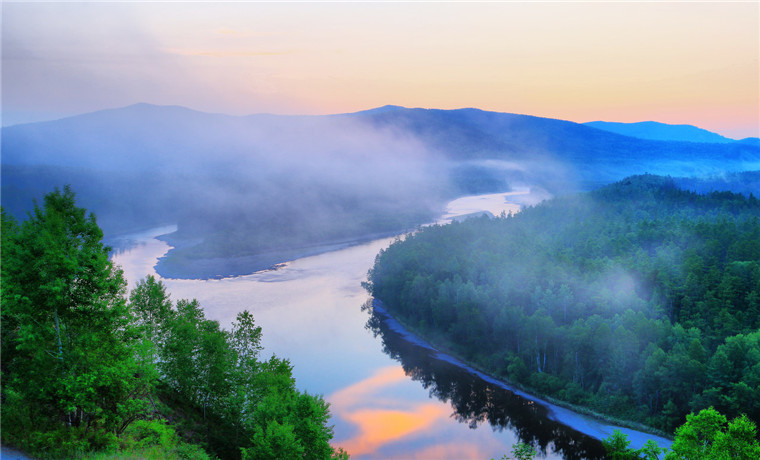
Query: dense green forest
point(638, 300)
point(86, 367)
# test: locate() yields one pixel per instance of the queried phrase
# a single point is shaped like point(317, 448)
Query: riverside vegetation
point(638, 300)
point(704, 436)
point(87, 368)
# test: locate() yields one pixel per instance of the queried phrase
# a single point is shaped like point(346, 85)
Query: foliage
point(84, 370)
point(618, 447)
point(703, 436)
point(244, 406)
point(638, 300)
point(521, 451)
point(67, 341)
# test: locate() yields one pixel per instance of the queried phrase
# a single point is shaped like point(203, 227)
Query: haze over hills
point(653, 130)
point(746, 183)
point(251, 187)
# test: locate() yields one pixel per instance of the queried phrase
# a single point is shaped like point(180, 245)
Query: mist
point(266, 188)
point(235, 186)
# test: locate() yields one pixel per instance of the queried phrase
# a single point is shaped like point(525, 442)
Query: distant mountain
point(751, 141)
point(556, 149)
point(261, 184)
point(653, 130)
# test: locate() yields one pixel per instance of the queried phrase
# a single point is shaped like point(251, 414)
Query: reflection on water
point(310, 312)
point(382, 422)
point(477, 402)
point(424, 407)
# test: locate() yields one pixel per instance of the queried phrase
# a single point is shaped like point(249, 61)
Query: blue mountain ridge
point(657, 131)
point(246, 184)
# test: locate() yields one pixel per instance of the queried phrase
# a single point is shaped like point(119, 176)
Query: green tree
point(739, 441)
point(285, 422)
point(196, 359)
point(706, 436)
point(80, 363)
point(72, 341)
point(523, 451)
point(245, 341)
point(152, 310)
point(651, 451)
point(618, 446)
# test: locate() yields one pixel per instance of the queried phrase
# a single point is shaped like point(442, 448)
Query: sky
point(673, 62)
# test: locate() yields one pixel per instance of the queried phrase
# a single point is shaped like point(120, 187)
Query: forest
point(91, 370)
point(638, 300)
point(88, 367)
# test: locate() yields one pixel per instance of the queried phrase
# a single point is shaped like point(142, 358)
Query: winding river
point(390, 394)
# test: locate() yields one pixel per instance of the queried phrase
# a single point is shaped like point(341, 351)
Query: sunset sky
point(674, 62)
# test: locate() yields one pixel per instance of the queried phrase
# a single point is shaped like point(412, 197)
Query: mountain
point(557, 153)
point(656, 131)
point(254, 188)
point(751, 141)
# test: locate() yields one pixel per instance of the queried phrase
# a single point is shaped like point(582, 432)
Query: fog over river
point(390, 395)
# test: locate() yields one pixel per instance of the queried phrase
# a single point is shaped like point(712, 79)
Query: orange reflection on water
point(377, 426)
point(358, 392)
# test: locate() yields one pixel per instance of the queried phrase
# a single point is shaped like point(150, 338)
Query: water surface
point(390, 397)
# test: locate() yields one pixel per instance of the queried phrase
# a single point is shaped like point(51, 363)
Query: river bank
point(173, 267)
point(9, 453)
point(595, 425)
point(381, 407)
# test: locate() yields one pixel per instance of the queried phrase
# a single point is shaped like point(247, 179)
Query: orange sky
point(674, 62)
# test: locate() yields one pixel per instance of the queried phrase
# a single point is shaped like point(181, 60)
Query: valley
point(285, 221)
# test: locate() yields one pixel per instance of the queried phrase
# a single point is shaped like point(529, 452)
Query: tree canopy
point(704, 436)
point(638, 300)
point(87, 368)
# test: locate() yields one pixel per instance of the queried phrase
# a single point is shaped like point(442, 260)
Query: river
point(390, 395)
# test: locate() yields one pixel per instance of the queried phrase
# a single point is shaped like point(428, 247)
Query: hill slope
point(655, 131)
point(246, 186)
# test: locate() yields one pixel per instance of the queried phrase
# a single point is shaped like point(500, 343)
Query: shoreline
point(595, 425)
point(214, 268)
point(11, 453)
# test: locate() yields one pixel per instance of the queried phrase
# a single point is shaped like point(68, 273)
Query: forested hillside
point(87, 368)
point(744, 182)
point(638, 300)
